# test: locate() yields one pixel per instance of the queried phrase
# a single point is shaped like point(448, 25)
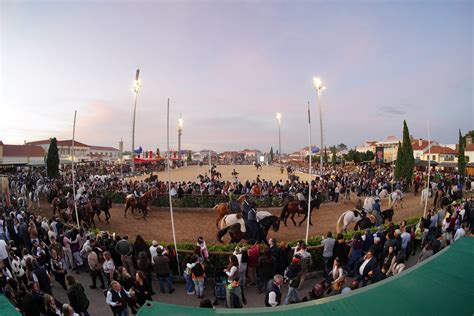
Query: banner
point(139, 150)
point(314, 149)
point(379, 155)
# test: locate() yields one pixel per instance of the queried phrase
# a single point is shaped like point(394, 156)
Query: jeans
point(97, 274)
point(242, 277)
point(162, 279)
point(292, 296)
point(327, 265)
point(71, 264)
point(199, 285)
point(189, 282)
point(122, 313)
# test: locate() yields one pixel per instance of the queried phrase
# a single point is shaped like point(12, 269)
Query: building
point(469, 152)
point(441, 154)
point(390, 148)
point(81, 150)
point(103, 153)
point(419, 146)
point(367, 146)
point(18, 155)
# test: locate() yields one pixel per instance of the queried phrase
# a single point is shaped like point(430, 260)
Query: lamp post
point(180, 131)
point(137, 84)
point(319, 89)
point(278, 116)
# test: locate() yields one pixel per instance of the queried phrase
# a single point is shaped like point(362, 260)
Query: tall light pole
point(137, 84)
point(180, 131)
point(278, 116)
point(319, 89)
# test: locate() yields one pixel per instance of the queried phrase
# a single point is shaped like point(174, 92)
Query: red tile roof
point(441, 150)
point(415, 144)
point(102, 148)
point(469, 147)
point(22, 151)
point(67, 143)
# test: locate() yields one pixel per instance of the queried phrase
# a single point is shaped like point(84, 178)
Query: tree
point(333, 158)
point(52, 160)
point(271, 155)
point(325, 156)
point(342, 146)
point(189, 158)
point(398, 166)
point(369, 155)
point(461, 157)
point(408, 158)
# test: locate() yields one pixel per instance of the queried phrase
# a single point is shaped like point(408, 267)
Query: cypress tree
point(52, 160)
point(461, 157)
point(333, 158)
point(271, 155)
point(325, 156)
point(408, 159)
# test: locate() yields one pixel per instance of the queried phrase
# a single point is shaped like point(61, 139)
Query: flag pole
point(309, 173)
point(169, 180)
point(429, 169)
point(72, 168)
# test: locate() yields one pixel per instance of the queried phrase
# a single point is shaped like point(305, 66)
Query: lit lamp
point(137, 84)
point(319, 89)
point(278, 117)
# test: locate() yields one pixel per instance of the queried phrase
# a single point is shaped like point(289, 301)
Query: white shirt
point(362, 266)
point(272, 299)
point(153, 252)
point(108, 300)
point(459, 233)
point(3, 250)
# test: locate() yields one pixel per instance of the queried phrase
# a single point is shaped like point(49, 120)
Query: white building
point(419, 147)
point(104, 153)
point(81, 150)
point(21, 155)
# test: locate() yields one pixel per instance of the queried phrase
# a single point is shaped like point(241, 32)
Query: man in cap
point(376, 212)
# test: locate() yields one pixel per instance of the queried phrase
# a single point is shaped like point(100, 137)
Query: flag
point(314, 149)
point(139, 150)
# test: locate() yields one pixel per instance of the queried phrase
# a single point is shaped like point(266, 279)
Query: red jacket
point(254, 254)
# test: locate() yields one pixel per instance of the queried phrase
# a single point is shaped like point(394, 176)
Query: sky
point(230, 66)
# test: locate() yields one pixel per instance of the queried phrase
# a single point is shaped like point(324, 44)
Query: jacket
point(161, 265)
point(77, 298)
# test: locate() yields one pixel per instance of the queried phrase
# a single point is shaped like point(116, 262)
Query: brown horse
point(292, 208)
point(223, 209)
point(142, 204)
point(58, 204)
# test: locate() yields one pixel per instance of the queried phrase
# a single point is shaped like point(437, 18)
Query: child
point(202, 244)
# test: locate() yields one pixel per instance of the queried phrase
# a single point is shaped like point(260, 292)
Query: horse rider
point(376, 212)
point(301, 199)
point(253, 226)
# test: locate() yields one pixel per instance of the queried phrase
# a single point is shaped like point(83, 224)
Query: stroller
point(220, 282)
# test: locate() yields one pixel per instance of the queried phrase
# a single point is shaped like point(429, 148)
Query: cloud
point(387, 109)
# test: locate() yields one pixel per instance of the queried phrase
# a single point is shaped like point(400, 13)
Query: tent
point(441, 285)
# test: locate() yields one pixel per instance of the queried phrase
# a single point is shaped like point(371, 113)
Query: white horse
point(425, 195)
point(346, 218)
point(231, 219)
point(263, 214)
point(34, 198)
point(369, 204)
point(24, 191)
point(395, 198)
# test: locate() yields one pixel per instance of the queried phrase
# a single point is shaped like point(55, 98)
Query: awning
point(424, 163)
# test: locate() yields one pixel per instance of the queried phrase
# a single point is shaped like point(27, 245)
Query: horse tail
point(221, 233)
point(340, 223)
point(284, 211)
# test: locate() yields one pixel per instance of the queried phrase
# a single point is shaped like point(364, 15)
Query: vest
point(43, 279)
point(273, 288)
point(116, 298)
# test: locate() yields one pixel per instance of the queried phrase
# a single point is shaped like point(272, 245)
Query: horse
point(102, 204)
point(225, 208)
point(368, 222)
point(292, 208)
point(355, 216)
point(141, 204)
point(34, 198)
point(237, 234)
point(59, 204)
point(258, 165)
point(395, 197)
point(369, 204)
point(86, 214)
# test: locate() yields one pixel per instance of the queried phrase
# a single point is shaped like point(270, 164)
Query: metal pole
point(72, 168)
point(179, 142)
point(279, 141)
point(210, 164)
point(309, 175)
point(136, 89)
point(429, 169)
point(169, 181)
point(321, 130)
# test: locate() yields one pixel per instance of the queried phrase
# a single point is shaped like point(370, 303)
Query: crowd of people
point(35, 250)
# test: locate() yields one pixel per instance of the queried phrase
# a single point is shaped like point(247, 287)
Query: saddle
point(371, 218)
point(358, 213)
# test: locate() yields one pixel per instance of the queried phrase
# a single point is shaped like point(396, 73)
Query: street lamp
point(278, 116)
point(180, 131)
point(319, 89)
point(137, 84)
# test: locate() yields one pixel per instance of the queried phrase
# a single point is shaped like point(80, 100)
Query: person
point(377, 212)
point(355, 253)
point(125, 249)
point(206, 303)
point(273, 291)
point(40, 275)
point(426, 252)
point(153, 250)
point(354, 286)
point(203, 248)
point(390, 259)
point(406, 241)
point(144, 265)
point(341, 249)
point(50, 306)
point(337, 271)
point(293, 277)
point(58, 270)
point(162, 270)
point(142, 288)
point(460, 232)
point(328, 244)
point(253, 255)
point(197, 274)
point(68, 310)
point(306, 263)
point(94, 268)
point(234, 294)
point(266, 268)
point(77, 296)
point(108, 266)
point(232, 270)
point(187, 275)
point(367, 265)
point(118, 299)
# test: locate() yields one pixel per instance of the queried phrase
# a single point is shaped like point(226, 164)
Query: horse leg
point(293, 218)
point(107, 216)
point(126, 208)
point(305, 215)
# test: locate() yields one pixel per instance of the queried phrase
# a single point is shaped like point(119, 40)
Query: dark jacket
point(161, 265)
point(77, 298)
point(341, 250)
point(272, 287)
point(371, 265)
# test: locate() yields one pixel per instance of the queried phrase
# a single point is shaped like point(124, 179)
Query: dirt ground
point(191, 223)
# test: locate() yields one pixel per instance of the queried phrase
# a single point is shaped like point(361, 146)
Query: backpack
point(198, 270)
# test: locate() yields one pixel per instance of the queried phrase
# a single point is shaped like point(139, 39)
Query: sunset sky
point(229, 66)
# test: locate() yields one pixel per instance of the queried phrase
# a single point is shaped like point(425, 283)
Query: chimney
point(420, 142)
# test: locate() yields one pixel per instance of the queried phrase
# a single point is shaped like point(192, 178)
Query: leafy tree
point(271, 155)
point(52, 160)
point(461, 157)
point(369, 155)
point(342, 146)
